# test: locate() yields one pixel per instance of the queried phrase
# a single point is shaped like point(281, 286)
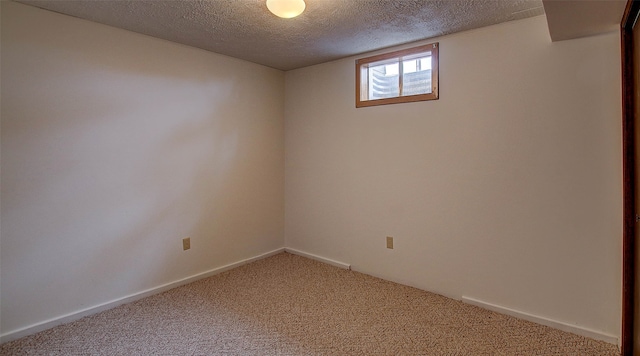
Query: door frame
point(629, 160)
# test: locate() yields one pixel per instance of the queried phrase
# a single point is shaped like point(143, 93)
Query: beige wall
point(115, 146)
point(507, 189)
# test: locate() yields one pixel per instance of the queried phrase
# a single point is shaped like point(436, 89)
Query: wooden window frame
point(431, 47)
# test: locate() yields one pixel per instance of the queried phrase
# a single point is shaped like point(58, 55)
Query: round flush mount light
point(286, 8)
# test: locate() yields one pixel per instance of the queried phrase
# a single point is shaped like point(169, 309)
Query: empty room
point(367, 177)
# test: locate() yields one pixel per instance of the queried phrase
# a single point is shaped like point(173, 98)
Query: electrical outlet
point(390, 242)
point(186, 243)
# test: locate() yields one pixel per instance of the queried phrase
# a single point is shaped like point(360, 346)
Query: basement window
point(398, 77)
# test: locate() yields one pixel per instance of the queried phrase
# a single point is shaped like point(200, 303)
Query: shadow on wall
point(114, 147)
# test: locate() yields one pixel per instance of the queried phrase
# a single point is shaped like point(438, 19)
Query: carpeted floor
point(290, 305)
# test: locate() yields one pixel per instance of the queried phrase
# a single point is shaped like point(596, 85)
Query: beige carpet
point(290, 305)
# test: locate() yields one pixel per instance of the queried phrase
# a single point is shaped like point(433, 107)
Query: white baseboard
point(32, 329)
point(318, 258)
point(29, 330)
point(575, 329)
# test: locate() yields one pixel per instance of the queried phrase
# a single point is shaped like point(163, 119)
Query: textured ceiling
point(327, 30)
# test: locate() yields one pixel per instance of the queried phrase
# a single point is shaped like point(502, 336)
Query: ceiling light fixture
point(286, 8)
